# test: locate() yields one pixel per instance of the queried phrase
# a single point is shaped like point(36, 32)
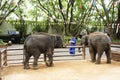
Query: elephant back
point(99, 38)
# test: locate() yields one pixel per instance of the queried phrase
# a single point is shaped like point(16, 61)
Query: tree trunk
point(118, 22)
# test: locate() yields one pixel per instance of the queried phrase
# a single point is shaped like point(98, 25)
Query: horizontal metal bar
point(14, 49)
point(67, 55)
point(53, 56)
point(74, 46)
point(116, 46)
point(14, 54)
point(10, 49)
point(43, 61)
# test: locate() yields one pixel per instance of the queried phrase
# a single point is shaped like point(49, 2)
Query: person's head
point(72, 36)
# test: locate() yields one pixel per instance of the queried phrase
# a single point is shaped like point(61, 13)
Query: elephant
point(98, 42)
point(37, 44)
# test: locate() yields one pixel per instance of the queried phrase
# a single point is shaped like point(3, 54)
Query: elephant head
point(58, 41)
point(84, 40)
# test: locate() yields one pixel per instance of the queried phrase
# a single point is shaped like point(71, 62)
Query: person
point(72, 43)
point(109, 36)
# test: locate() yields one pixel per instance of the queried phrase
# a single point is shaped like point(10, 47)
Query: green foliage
point(0, 31)
point(39, 27)
point(66, 39)
point(78, 39)
point(116, 41)
point(1, 42)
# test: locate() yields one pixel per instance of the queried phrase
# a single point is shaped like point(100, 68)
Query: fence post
point(83, 52)
point(5, 57)
point(0, 65)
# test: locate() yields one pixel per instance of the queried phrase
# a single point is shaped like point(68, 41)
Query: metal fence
point(3, 57)
point(16, 56)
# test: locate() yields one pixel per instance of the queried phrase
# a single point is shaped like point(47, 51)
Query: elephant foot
point(35, 67)
point(97, 63)
point(49, 64)
point(26, 67)
point(108, 62)
point(93, 61)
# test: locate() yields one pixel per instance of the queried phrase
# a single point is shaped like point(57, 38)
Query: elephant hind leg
point(98, 61)
point(26, 62)
point(107, 52)
point(49, 63)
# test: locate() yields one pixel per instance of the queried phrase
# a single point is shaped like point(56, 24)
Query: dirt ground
point(65, 70)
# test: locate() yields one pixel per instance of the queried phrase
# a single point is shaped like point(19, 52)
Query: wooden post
point(83, 52)
point(0, 65)
point(5, 57)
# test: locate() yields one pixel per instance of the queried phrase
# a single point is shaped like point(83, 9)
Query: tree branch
point(3, 6)
point(61, 8)
point(12, 10)
point(71, 13)
point(105, 10)
point(46, 10)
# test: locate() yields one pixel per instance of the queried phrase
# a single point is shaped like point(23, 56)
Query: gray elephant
point(98, 42)
point(37, 44)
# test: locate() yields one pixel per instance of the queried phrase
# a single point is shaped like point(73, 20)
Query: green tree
point(108, 15)
point(7, 7)
point(71, 13)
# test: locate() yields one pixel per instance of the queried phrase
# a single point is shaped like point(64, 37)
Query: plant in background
point(0, 31)
point(1, 42)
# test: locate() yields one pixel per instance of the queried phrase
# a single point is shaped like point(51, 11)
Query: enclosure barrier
point(3, 55)
point(19, 60)
point(115, 55)
point(3, 60)
point(83, 49)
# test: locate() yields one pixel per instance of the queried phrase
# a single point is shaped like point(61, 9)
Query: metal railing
point(4, 56)
point(19, 60)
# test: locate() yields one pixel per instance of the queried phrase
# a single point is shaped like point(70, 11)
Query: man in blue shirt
point(72, 43)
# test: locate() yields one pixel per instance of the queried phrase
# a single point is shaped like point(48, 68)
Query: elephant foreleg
point(50, 60)
point(35, 65)
point(92, 54)
point(36, 56)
